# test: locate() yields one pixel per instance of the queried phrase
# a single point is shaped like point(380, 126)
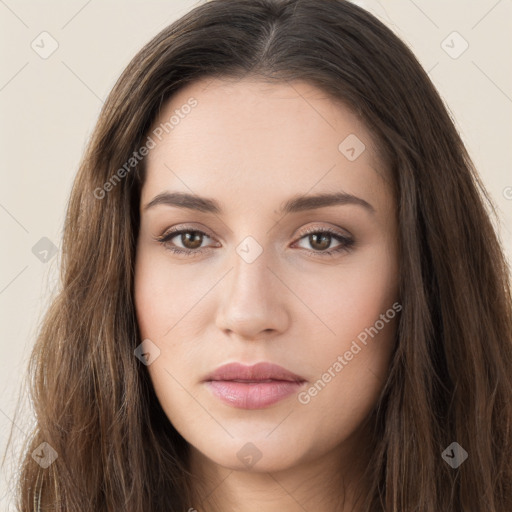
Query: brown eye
point(191, 239)
point(320, 241)
point(185, 242)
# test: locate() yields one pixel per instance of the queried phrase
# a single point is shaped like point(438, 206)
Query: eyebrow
point(292, 205)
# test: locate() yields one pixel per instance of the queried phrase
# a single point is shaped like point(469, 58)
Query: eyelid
point(305, 231)
point(346, 241)
point(329, 229)
point(186, 227)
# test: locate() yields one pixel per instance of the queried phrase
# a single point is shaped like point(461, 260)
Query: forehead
point(248, 142)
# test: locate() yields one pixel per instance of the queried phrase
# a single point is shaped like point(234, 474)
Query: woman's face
point(274, 268)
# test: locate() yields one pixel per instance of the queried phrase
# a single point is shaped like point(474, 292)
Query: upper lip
point(258, 372)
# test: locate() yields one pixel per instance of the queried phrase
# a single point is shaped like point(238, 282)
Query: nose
point(253, 300)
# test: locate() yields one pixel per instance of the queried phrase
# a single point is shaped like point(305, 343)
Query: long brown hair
point(451, 375)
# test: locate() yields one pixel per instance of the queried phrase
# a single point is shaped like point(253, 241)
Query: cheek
point(350, 297)
point(351, 373)
point(167, 305)
point(359, 308)
point(158, 309)
point(160, 295)
point(143, 297)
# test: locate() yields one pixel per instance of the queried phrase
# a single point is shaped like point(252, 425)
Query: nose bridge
point(250, 276)
point(250, 301)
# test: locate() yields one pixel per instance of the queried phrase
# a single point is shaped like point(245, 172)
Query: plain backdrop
point(49, 105)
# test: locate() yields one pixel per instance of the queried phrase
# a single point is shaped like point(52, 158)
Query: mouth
point(251, 381)
point(255, 373)
point(253, 387)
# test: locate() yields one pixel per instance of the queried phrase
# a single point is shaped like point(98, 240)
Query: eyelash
point(346, 243)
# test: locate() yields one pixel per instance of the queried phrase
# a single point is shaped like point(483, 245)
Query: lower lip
point(253, 395)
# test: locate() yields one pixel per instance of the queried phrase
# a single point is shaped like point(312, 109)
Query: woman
point(281, 289)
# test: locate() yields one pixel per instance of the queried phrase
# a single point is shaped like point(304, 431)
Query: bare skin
point(251, 146)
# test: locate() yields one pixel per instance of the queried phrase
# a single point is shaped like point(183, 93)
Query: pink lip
point(253, 387)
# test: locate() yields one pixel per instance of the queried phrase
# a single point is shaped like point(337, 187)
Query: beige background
point(49, 107)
